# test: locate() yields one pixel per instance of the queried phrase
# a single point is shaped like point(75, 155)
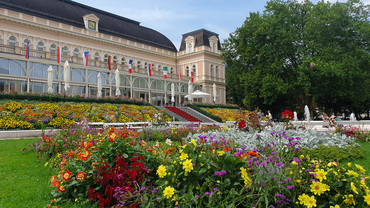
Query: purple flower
point(243, 148)
point(136, 192)
point(215, 189)
point(218, 173)
point(288, 179)
point(143, 188)
point(263, 164)
point(224, 171)
point(257, 135)
point(290, 187)
point(272, 133)
point(282, 186)
point(135, 182)
point(280, 182)
point(206, 193)
point(158, 198)
point(257, 162)
point(196, 196)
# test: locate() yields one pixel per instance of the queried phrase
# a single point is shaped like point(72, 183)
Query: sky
point(173, 18)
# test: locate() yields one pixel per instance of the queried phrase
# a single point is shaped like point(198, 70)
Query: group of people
point(332, 120)
point(260, 116)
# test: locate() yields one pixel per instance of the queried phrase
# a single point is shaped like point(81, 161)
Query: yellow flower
point(188, 166)
point(320, 174)
point(168, 192)
point(194, 143)
point(183, 156)
point(161, 171)
point(200, 155)
point(302, 156)
point(46, 164)
point(218, 181)
point(310, 202)
point(367, 199)
point(349, 200)
point(353, 187)
point(220, 153)
point(352, 173)
point(317, 188)
point(360, 169)
point(336, 206)
point(349, 165)
point(302, 198)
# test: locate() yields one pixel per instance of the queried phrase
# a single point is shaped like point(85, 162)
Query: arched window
point(187, 71)
point(123, 60)
point(115, 59)
point(194, 70)
point(190, 48)
point(159, 68)
point(214, 48)
point(106, 58)
point(153, 67)
point(53, 48)
point(76, 52)
point(12, 41)
point(171, 70)
point(96, 56)
point(216, 71)
point(211, 71)
point(65, 50)
point(25, 43)
point(40, 46)
point(138, 64)
point(146, 65)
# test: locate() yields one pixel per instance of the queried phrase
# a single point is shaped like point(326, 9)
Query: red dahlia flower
point(67, 176)
point(80, 176)
point(287, 114)
point(242, 124)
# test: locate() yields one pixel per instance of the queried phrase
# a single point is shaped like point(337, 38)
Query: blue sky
point(176, 17)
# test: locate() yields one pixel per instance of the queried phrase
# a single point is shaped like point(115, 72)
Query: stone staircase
point(183, 114)
point(197, 115)
point(172, 114)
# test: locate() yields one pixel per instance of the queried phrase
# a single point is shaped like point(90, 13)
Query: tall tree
point(296, 54)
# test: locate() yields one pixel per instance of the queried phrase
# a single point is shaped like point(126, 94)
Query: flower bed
point(29, 116)
point(210, 168)
point(230, 114)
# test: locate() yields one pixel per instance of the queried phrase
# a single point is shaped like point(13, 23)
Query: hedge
point(216, 118)
point(216, 106)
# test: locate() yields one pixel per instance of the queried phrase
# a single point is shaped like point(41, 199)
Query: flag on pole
point(192, 77)
point(149, 70)
point(165, 69)
point(86, 57)
point(130, 66)
point(110, 62)
point(59, 54)
point(180, 77)
point(28, 50)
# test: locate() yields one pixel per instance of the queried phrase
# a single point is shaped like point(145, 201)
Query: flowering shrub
point(352, 131)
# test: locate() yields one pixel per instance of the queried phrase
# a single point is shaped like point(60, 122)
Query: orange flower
point(70, 154)
point(93, 164)
point(54, 181)
point(67, 176)
point(80, 176)
point(171, 149)
point(227, 149)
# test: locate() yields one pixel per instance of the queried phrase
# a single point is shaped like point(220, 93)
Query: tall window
point(171, 71)
point(146, 65)
point(153, 67)
point(123, 60)
point(194, 70)
point(25, 43)
point(53, 48)
point(76, 52)
point(159, 68)
point(211, 71)
point(12, 41)
point(40, 46)
point(65, 50)
point(138, 64)
point(216, 71)
point(96, 56)
point(115, 59)
point(187, 71)
point(106, 58)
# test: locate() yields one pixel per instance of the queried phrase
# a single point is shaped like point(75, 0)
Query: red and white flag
point(86, 57)
point(149, 70)
point(192, 77)
point(180, 77)
point(130, 66)
point(165, 69)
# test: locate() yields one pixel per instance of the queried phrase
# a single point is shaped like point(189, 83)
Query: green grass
point(364, 162)
point(24, 181)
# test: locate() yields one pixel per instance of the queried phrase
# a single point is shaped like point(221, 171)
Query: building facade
point(76, 28)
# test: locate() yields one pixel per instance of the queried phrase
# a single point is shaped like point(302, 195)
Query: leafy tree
point(296, 54)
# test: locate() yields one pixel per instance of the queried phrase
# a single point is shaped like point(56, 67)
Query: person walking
point(269, 116)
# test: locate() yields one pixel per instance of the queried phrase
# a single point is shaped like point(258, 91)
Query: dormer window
point(190, 44)
point(91, 22)
point(213, 43)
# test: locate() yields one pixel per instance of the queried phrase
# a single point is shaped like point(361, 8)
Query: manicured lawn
point(364, 162)
point(24, 181)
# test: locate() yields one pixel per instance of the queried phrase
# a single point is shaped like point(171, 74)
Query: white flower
point(156, 144)
point(169, 142)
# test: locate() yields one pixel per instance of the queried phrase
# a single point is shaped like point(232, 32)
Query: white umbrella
point(214, 93)
point(199, 94)
point(173, 92)
point(50, 79)
point(99, 85)
point(66, 76)
point(118, 92)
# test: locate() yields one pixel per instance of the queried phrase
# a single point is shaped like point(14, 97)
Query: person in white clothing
point(269, 116)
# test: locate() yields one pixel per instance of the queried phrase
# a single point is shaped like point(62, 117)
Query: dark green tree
point(296, 54)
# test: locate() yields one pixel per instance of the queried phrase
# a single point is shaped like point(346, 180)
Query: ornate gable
point(91, 22)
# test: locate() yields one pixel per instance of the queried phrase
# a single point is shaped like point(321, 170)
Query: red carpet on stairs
point(183, 114)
